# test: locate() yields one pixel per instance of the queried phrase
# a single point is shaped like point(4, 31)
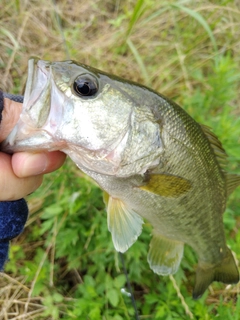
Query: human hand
point(22, 172)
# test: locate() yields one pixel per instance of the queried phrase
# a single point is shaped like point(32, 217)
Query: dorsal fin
point(216, 145)
point(232, 181)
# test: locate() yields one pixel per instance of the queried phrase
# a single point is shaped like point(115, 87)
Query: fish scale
point(152, 160)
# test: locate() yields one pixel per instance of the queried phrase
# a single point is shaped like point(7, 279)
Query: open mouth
point(37, 80)
point(28, 134)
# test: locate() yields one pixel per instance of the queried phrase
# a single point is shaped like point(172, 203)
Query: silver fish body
point(149, 156)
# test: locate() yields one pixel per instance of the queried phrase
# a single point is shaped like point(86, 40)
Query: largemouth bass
point(152, 160)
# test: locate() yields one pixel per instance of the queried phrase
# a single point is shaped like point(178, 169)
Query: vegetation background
point(64, 265)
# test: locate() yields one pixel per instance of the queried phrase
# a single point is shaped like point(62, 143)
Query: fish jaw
point(41, 115)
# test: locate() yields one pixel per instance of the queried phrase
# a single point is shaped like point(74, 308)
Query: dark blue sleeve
point(13, 216)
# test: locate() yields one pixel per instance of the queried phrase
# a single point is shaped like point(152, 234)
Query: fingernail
point(34, 164)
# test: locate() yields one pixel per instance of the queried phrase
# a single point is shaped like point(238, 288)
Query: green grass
point(64, 265)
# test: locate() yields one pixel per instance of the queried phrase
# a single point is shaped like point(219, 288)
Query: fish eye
point(85, 86)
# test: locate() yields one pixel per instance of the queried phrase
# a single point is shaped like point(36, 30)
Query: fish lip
point(26, 130)
point(37, 74)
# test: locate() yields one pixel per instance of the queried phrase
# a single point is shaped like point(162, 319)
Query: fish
point(152, 160)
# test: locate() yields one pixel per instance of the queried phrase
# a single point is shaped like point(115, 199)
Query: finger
point(11, 186)
point(55, 160)
point(26, 164)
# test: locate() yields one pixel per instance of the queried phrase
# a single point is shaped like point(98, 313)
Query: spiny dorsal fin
point(166, 185)
point(216, 146)
point(232, 181)
point(124, 224)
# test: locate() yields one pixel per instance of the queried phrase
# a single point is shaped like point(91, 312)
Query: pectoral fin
point(166, 185)
point(124, 224)
point(165, 255)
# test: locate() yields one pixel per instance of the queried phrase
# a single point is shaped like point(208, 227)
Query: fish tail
point(226, 271)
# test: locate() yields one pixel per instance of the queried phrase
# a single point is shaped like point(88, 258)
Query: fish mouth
point(31, 132)
point(34, 79)
point(38, 91)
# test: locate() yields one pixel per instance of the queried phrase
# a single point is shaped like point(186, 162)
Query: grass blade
point(197, 16)
point(10, 36)
point(135, 16)
point(139, 61)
